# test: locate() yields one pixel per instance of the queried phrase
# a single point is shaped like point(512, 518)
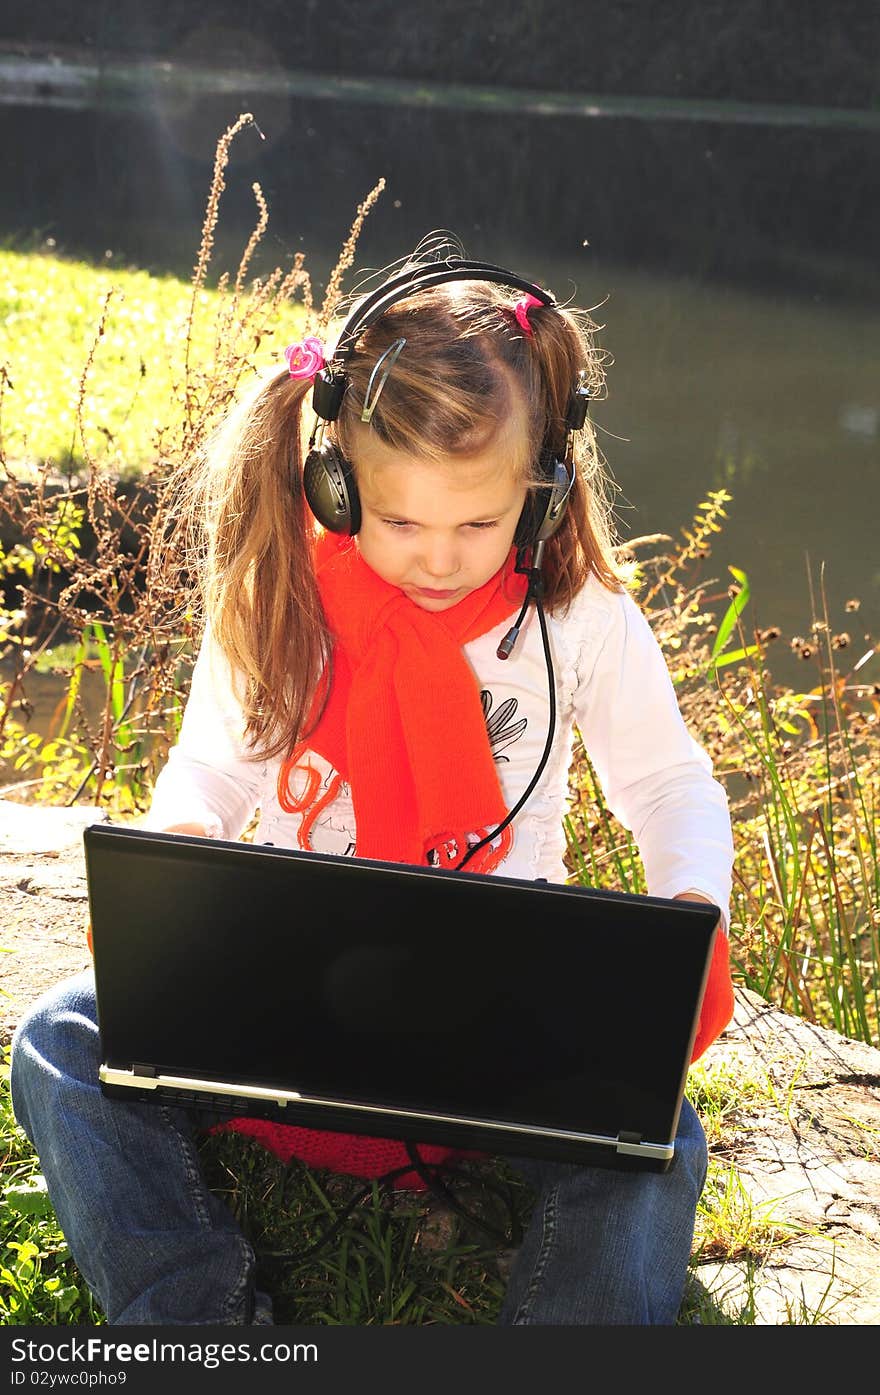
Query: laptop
point(478, 1012)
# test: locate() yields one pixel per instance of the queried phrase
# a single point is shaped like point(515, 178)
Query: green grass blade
point(733, 612)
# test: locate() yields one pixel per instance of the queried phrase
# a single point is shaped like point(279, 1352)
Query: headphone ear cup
point(544, 508)
point(532, 510)
point(330, 489)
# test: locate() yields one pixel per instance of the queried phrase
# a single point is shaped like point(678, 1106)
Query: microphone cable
point(534, 593)
point(428, 1172)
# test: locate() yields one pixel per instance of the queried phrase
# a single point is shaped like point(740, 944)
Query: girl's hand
point(198, 830)
point(694, 896)
point(704, 900)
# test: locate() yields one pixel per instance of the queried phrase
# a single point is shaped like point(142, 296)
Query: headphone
point(328, 477)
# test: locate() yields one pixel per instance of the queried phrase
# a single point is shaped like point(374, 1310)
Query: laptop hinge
point(629, 1142)
point(138, 1068)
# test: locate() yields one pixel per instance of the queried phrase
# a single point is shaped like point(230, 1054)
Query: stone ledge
point(29, 829)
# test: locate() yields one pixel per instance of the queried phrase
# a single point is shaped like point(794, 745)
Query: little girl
point(411, 599)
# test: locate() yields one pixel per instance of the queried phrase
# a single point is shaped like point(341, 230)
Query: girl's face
point(438, 531)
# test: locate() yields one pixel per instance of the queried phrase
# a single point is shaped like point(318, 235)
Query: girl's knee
point(57, 1037)
point(691, 1150)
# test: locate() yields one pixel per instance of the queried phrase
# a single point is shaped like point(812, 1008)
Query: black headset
point(328, 478)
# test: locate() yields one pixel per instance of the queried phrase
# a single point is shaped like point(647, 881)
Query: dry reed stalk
point(209, 227)
point(346, 257)
point(84, 378)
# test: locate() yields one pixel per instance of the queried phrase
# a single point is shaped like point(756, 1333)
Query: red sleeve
point(717, 1009)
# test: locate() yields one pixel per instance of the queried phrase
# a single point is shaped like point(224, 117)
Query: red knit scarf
point(403, 723)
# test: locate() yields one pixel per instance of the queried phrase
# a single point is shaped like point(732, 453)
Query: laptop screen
point(404, 988)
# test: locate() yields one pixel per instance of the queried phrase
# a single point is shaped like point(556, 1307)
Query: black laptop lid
point(405, 988)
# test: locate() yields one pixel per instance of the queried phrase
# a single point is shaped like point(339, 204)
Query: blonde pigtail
point(261, 596)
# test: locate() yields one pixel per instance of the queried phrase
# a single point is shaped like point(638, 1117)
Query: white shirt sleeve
point(208, 777)
point(656, 779)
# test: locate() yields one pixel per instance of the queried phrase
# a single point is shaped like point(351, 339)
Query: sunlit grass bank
point(50, 313)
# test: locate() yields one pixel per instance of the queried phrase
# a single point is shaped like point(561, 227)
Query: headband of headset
point(330, 384)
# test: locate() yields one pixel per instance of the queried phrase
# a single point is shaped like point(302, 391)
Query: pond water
point(732, 257)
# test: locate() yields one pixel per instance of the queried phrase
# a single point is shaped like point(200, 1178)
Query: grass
point(397, 1260)
point(39, 1283)
point(50, 310)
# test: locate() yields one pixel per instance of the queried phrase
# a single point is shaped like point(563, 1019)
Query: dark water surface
point(733, 261)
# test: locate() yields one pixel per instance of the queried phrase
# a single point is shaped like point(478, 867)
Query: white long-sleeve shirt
point(611, 682)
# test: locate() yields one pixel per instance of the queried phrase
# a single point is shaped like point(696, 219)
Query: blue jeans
point(156, 1246)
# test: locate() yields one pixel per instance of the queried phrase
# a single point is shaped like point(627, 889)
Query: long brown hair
point(447, 394)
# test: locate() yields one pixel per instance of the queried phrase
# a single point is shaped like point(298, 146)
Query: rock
point(806, 1150)
point(31, 829)
point(43, 902)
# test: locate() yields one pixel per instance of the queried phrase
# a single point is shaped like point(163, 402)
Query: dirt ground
point(43, 904)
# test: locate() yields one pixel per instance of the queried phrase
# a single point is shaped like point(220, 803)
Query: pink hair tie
point(306, 359)
point(522, 308)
